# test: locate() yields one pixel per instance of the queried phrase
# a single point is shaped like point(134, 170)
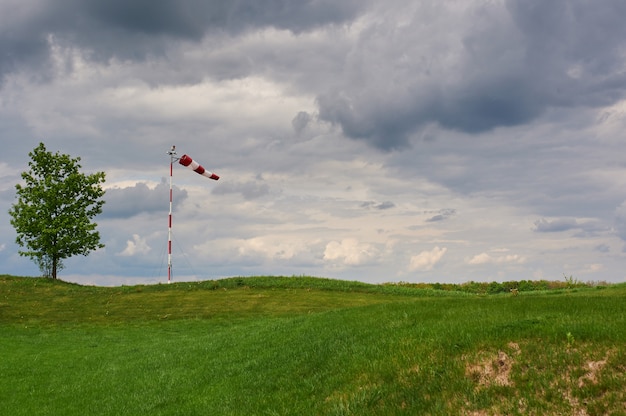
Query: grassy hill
point(308, 346)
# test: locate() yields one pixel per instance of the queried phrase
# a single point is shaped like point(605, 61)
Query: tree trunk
point(55, 260)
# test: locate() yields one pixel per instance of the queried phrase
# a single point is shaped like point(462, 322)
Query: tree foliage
point(54, 209)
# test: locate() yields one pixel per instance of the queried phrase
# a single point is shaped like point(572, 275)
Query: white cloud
point(426, 260)
point(349, 252)
point(137, 245)
point(269, 248)
point(484, 258)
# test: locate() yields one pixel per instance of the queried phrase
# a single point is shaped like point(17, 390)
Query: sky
point(368, 140)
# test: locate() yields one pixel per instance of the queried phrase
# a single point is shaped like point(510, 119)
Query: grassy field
point(307, 346)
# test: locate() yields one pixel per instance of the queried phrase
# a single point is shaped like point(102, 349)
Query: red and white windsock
point(195, 166)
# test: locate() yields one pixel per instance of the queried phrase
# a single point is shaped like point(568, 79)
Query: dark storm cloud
point(502, 67)
point(138, 28)
point(192, 18)
point(139, 199)
point(22, 40)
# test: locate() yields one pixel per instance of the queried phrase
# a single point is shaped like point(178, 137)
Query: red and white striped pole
point(172, 154)
point(196, 167)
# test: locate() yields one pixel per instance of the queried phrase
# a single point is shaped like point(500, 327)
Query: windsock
point(195, 166)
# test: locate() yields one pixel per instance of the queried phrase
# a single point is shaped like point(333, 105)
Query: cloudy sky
point(380, 141)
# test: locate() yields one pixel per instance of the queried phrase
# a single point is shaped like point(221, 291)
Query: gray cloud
point(248, 190)
point(138, 29)
point(443, 215)
point(555, 226)
point(620, 221)
point(193, 18)
point(139, 199)
point(586, 227)
point(603, 248)
point(505, 68)
point(300, 121)
point(378, 205)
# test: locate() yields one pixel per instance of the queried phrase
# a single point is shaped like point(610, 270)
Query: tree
point(52, 216)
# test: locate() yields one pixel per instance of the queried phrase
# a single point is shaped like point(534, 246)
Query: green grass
point(307, 346)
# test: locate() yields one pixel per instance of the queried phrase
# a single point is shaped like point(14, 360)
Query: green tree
point(54, 209)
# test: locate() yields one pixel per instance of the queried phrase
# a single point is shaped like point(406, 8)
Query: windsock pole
point(196, 167)
point(172, 154)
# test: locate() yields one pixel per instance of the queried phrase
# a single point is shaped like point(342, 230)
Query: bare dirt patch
point(574, 378)
point(491, 370)
point(593, 368)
